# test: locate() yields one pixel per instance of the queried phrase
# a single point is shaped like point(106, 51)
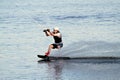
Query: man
point(57, 39)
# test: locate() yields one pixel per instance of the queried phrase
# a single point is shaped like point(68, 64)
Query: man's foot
point(47, 53)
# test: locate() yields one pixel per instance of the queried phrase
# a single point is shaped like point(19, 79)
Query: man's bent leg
point(49, 50)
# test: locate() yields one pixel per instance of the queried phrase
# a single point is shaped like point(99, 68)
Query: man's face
point(55, 31)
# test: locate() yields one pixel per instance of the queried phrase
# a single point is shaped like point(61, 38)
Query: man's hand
point(45, 30)
point(48, 30)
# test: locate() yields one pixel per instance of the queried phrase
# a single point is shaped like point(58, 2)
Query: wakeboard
point(53, 57)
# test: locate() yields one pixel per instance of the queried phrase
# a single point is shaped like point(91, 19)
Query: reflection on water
point(75, 69)
point(54, 69)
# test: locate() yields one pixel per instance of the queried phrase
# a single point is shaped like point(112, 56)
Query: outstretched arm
point(49, 33)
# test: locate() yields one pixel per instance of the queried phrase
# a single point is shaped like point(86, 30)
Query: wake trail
point(90, 49)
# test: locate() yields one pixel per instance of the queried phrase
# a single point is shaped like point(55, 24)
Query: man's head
point(56, 28)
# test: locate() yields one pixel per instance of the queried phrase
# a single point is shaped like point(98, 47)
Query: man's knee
point(58, 47)
point(51, 46)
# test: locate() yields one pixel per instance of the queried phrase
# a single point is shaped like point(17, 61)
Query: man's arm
point(49, 33)
point(57, 34)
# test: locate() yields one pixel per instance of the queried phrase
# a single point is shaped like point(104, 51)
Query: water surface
point(89, 28)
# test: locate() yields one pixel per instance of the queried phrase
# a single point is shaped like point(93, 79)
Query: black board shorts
point(55, 45)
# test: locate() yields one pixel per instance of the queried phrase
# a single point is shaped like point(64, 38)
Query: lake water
point(89, 28)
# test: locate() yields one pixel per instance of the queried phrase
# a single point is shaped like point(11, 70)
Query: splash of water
point(90, 48)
